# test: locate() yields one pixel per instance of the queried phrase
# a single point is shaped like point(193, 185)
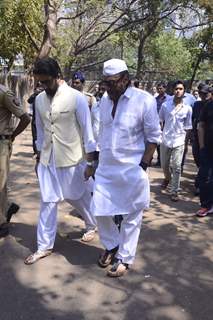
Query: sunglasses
point(113, 82)
point(46, 83)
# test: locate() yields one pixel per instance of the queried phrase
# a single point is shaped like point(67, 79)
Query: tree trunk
point(140, 61)
point(196, 67)
point(50, 8)
point(197, 64)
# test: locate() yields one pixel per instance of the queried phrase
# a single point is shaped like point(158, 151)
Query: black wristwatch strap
point(143, 165)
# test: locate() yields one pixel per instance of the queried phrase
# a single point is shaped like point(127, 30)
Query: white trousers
point(47, 225)
point(126, 239)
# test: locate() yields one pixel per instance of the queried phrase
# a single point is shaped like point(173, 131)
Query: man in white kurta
point(64, 133)
point(176, 119)
point(129, 133)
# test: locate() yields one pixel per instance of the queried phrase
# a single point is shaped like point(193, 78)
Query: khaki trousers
point(5, 153)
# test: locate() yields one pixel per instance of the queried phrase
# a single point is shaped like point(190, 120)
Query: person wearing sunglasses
point(64, 137)
point(129, 133)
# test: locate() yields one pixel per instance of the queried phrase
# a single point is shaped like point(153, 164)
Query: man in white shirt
point(175, 117)
point(129, 133)
point(95, 111)
point(64, 128)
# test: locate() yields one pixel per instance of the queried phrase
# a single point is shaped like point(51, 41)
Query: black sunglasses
point(112, 83)
point(46, 82)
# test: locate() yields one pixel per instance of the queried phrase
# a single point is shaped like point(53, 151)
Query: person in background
point(210, 93)
point(175, 117)
point(9, 107)
point(95, 112)
point(129, 134)
point(154, 91)
point(189, 100)
point(136, 83)
point(196, 111)
point(160, 99)
point(195, 93)
point(78, 81)
point(96, 91)
point(31, 101)
point(64, 138)
point(205, 136)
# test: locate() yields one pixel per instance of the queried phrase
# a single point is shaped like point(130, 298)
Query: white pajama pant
point(47, 225)
point(126, 239)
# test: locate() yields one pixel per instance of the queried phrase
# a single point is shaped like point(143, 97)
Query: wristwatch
point(91, 163)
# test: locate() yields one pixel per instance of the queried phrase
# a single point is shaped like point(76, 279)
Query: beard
point(51, 91)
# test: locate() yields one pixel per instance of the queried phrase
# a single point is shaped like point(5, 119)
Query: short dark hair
point(161, 84)
point(136, 83)
point(179, 82)
point(47, 66)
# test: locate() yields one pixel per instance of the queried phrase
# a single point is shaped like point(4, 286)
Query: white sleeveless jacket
point(61, 129)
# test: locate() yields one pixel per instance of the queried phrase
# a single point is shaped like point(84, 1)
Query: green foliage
point(168, 55)
point(20, 22)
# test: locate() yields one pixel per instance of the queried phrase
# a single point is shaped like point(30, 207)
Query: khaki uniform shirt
point(9, 106)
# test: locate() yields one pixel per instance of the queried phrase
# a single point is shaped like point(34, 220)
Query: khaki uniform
point(90, 98)
point(9, 107)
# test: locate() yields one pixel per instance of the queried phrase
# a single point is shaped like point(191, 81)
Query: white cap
point(114, 66)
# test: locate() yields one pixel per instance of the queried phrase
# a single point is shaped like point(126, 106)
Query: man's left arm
point(152, 131)
point(84, 119)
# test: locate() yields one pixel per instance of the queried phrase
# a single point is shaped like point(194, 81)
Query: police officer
point(9, 107)
point(77, 83)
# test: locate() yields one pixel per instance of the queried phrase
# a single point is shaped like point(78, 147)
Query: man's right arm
point(201, 133)
point(201, 127)
point(23, 123)
point(13, 105)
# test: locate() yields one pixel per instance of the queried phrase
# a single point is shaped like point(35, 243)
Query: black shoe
point(4, 230)
point(13, 208)
point(197, 192)
point(107, 257)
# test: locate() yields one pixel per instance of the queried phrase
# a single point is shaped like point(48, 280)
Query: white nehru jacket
point(63, 124)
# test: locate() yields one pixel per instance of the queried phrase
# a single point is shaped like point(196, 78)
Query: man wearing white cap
point(129, 133)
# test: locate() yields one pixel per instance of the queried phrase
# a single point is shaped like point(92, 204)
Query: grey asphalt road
point(172, 278)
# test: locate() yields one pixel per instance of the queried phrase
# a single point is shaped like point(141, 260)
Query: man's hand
point(89, 172)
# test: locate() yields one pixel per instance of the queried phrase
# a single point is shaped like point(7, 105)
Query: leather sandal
point(32, 258)
point(107, 257)
point(118, 269)
point(89, 235)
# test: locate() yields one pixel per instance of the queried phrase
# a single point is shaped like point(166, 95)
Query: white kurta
point(57, 184)
point(121, 185)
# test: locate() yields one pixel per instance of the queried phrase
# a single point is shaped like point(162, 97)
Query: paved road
point(172, 278)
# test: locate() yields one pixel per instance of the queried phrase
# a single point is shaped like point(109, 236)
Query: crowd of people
point(91, 150)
